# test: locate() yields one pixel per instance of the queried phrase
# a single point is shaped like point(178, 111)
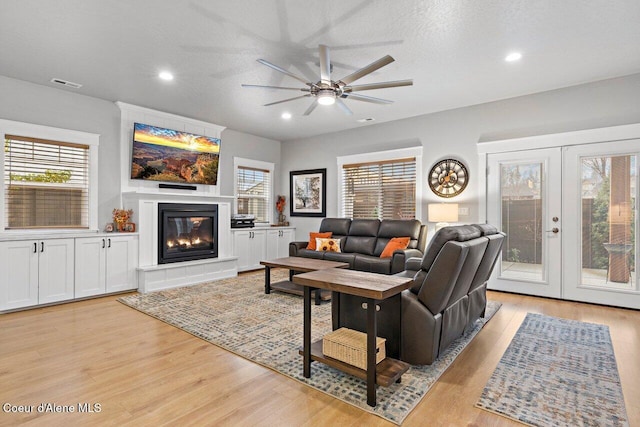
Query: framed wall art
point(308, 193)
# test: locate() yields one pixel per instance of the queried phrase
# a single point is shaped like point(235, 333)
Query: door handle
point(35, 247)
point(41, 246)
point(103, 243)
point(109, 240)
point(554, 230)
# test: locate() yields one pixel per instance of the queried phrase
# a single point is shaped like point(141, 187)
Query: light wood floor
point(145, 373)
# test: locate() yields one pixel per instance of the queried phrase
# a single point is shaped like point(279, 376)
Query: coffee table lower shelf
point(388, 371)
point(295, 289)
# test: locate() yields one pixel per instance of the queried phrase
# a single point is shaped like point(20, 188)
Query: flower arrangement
point(280, 204)
point(121, 217)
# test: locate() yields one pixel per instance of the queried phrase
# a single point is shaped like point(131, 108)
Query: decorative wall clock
point(448, 178)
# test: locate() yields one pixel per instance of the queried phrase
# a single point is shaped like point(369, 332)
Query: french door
point(570, 215)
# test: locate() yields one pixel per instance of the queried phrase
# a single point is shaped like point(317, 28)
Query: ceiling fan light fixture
point(326, 97)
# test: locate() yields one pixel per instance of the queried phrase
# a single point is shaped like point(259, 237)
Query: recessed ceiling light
point(513, 56)
point(286, 115)
point(368, 119)
point(165, 75)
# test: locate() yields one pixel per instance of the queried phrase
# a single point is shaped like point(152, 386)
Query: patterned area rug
point(236, 315)
point(557, 372)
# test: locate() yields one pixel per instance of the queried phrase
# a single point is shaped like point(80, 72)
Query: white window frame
point(381, 156)
point(256, 164)
point(10, 127)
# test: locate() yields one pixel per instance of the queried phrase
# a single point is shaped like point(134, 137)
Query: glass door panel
point(521, 197)
point(608, 221)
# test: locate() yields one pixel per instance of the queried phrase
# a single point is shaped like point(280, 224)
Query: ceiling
point(454, 51)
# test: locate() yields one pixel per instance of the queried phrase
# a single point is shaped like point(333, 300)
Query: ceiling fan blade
point(312, 107)
point(365, 98)
point(304, 89)
point(282, 70)
point(325, 64)
point(340, 103)
point(386, 60)
point(381, 85)
point(287, 100)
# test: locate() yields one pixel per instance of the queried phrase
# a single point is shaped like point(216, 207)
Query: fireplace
point(187, 232)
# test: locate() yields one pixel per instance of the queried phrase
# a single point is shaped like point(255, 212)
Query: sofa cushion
point(401, 227)
point(372, 264)
point(313, 236)
point(341, 257)
point(308, 253)
point(360, 244)
point(328, 245)
point(458, 233)
point(338, 226)
point(394, 244)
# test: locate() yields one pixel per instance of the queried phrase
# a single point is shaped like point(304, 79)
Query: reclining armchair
point(447, 296)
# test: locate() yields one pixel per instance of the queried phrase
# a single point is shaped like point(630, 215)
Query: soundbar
point(178, 186)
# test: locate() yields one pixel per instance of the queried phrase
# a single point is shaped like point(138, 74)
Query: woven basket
point(350, 346)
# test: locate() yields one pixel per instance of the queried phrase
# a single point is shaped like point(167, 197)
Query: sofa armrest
point(413, 263)
point(400, 257)
point(295, 246)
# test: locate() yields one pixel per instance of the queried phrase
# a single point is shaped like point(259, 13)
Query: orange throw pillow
point(393, 245)
point(313, 236)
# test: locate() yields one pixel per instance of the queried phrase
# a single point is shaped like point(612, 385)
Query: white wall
point(457, 132)
point(43, 105)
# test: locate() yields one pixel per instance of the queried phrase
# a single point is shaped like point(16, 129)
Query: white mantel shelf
point(184, 195)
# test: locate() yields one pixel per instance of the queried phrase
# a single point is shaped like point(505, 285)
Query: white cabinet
point(105, 264)
point(35, 272)
point(254, 245)
point(278, 242)
point(250, 247)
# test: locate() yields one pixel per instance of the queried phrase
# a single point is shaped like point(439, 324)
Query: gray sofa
point(447, 296)
point(363, 240)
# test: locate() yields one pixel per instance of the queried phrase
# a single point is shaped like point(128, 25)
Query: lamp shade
point(443, 212)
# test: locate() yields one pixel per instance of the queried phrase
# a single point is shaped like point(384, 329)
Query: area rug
point(557, 372)
point(236, 315)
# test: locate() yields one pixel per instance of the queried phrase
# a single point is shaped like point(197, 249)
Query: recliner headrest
point(458, 233)
point(485, 229)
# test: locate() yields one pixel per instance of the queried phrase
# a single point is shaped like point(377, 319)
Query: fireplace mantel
point(153, 276)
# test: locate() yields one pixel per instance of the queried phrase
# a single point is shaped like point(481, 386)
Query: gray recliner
point(447, 296)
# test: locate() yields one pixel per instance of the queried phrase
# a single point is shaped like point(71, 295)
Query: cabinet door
point(122, 260)
point(273, 238)
point(18, 274)
point(55, 270)
point(257, 248)
point(286, 237)
point(90, 266)
point(241, 248)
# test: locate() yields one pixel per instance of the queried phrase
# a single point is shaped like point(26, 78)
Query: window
point(254, 188)
point(381, 185)
point(46, 184)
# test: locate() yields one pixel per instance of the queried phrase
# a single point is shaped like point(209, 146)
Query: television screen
point(167, 155)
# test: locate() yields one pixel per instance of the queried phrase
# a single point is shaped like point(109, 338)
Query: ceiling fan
point(329, 92)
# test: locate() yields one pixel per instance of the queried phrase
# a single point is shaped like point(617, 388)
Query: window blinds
point(383, 190)
point(46, 183)
point(253, 186)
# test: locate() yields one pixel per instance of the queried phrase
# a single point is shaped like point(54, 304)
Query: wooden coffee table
point(297, 264)
point(374, 288)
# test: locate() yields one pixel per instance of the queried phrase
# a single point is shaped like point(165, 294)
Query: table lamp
point(443, 213)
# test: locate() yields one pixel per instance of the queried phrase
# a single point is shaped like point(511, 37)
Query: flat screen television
point(168, 155)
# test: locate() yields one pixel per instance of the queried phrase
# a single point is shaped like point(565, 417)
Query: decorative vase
point(281, 219)
point(119, 226)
